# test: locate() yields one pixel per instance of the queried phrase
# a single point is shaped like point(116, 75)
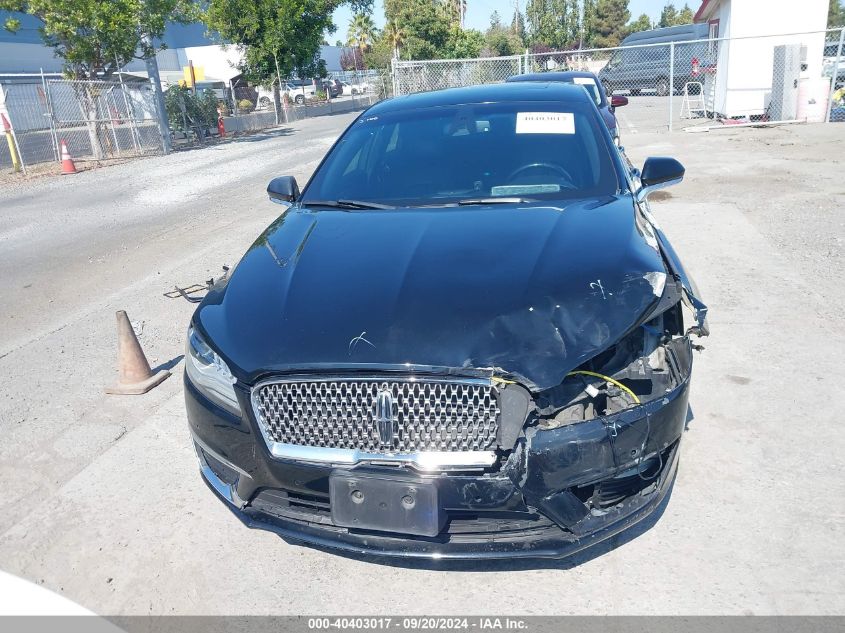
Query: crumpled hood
point(532, 291)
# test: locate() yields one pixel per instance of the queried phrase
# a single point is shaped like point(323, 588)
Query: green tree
point(642, 23)
point(463, 43)
point(668, 16)
point(500, 40)
point(835, 14)
point(552, 22)
point(609, 25)
point(518, 27)
point(395, 35)
point(95, 38)
point(456, 10)
point(685, 16)
point(380, 53)
point(426, 24)
point(361, 32)
point(278, 37)
point(588, 18)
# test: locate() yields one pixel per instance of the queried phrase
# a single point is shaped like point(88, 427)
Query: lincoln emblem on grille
point(384, 417)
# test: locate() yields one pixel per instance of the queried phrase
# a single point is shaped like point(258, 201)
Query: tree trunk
point(87, 98)
point(277, 103)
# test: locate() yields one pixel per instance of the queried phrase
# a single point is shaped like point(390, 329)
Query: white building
point(750, 75)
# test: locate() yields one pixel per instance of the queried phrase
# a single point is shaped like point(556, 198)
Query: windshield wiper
point(347, 204)
point(470, 201)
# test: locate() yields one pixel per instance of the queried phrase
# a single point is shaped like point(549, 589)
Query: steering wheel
point(560, 171)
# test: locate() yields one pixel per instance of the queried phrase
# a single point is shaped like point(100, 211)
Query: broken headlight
point(209, 373)
point(645, 365)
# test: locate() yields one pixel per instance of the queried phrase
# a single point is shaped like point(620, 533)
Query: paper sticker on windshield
point(545, 123)
point(584, 81)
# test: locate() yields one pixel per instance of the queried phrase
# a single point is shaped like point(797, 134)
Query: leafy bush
point(187, 111)
point(246, 105)
point(320, 95)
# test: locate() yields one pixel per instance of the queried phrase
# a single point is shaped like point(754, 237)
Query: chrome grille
point(428, 415)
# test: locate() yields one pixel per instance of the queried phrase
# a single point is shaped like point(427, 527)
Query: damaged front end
point(575, 464)
point(588, 383)
point(600, 449)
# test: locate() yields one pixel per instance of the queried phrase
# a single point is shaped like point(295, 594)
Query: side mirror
point(283, 190)
point(658, 173)
point(617, 101)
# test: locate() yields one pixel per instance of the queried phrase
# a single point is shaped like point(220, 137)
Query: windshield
point(591, 87)
point(449, 154)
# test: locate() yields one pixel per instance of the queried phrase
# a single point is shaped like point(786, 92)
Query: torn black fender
point(691, 294)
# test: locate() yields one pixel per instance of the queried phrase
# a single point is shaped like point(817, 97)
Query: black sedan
point(607, 107)
point(465, 338)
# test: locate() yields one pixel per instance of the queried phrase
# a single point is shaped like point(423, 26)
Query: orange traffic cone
point(134, 373)
point(67, 162)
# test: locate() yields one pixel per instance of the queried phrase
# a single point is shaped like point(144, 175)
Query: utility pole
point(155, 82)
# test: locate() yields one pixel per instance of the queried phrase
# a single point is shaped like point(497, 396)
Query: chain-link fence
point(422, 76)
point(96, 119)
point(353, 90)
point(100, 120)
point(679, 85)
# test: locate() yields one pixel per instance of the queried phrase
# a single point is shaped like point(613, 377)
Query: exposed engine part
point(645, 365)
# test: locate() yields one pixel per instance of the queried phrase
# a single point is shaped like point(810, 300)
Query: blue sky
point(478, 13)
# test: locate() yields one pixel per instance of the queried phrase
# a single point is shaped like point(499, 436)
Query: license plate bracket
point(385, 503)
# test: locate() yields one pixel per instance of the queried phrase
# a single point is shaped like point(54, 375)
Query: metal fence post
point(835, 75)
point(130, 114)
point(53, 135)
point(155, 80)
point(671, 81)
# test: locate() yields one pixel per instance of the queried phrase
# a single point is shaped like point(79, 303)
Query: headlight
point(209, 373)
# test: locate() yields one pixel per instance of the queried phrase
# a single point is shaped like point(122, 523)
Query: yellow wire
point(504, 381)
point(608, 379)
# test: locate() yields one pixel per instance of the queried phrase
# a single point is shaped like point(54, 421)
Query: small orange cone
point(67, 162)
point(134, 373)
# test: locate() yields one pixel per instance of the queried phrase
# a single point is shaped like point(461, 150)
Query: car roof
point(489, 93)
point(563, 75)
point(681, 32)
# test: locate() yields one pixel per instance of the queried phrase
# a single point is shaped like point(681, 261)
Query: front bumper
point(560, 491)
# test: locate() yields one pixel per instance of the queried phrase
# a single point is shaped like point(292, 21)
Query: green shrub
point(186, 110)
point(246, 105)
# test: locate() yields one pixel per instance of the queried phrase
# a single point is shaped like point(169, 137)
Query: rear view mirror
point(283, 190)
point(617, 101)
point(658, 173)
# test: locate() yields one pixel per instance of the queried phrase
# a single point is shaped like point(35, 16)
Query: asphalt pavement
point(104, 504)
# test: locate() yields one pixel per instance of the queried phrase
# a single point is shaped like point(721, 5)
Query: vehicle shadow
point(570, 562)
point(262, 135)
point(168, 365)
point(247, 136)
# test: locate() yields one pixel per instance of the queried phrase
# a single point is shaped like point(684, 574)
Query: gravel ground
point(103, 502)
